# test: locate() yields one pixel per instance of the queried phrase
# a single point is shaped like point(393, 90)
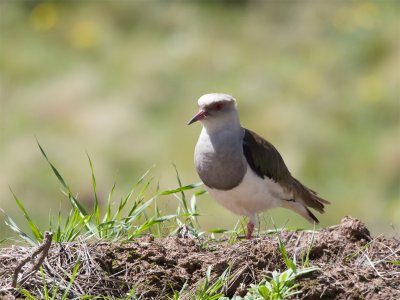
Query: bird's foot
point(250, 229)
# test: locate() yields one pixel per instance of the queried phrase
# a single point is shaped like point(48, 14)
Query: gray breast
point(220, 162)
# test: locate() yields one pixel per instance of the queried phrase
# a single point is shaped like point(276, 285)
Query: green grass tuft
point(133, 215)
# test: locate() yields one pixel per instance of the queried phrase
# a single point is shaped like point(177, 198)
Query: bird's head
point(215, 109)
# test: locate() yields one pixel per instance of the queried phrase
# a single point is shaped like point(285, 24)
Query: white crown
point(208, 99)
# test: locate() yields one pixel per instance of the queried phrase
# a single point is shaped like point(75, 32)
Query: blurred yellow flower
point(84, 34)
point(44, 16)
point(363, 15)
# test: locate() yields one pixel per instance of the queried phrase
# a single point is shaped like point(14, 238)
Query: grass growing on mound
point(137, 214)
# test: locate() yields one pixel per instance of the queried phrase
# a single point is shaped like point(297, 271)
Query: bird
point(242, 171)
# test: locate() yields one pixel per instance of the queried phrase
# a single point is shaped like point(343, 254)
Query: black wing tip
point(320, 203)
point(312, 216)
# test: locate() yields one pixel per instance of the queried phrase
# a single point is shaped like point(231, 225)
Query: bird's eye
point(218, 106)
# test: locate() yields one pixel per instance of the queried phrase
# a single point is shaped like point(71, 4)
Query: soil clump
point(352, 265)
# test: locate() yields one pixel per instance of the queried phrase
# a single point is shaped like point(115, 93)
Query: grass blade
point(14, 227)
point(58, 175)
point(72, 278)
point(35, 230)
point(181, 189)
point(96, 209)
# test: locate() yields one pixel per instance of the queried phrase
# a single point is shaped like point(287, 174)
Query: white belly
point(253, 195)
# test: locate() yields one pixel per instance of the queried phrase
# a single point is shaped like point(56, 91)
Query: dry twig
point(44, 249)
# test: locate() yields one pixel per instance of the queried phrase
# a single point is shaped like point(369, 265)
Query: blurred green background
point(120, 79)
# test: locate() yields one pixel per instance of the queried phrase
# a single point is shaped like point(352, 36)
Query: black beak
point(199, 116)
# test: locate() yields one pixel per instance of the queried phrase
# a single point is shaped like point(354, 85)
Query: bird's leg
point(251, 225)
point(250, 229)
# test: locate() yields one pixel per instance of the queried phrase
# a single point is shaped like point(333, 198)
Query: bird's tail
point(306, 198)
point(301, 210)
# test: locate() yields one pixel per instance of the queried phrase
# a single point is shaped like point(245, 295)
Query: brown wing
point(263, 157)
point(266, 161)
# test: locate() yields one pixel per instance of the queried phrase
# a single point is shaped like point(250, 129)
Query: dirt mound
point(352, 265)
